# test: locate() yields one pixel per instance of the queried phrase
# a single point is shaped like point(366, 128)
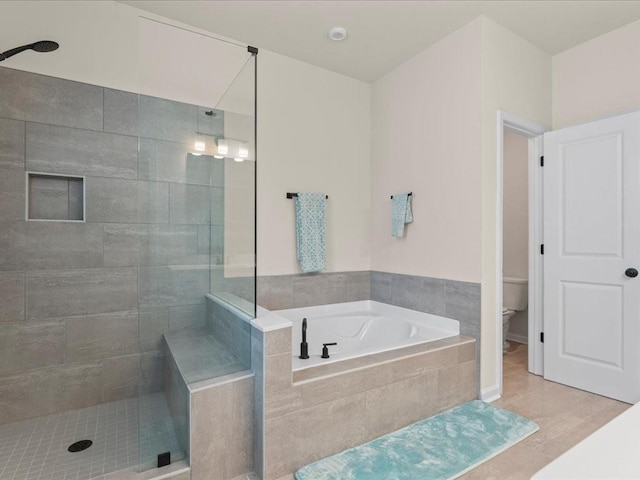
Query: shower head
point(41, 46)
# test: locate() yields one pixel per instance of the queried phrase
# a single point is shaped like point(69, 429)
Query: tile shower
point(120, 243)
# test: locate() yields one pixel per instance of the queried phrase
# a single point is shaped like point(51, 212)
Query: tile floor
point(565, 416)
point(36, 449)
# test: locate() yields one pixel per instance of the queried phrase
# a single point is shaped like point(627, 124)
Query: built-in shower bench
point(210, 388)
point(198, 355)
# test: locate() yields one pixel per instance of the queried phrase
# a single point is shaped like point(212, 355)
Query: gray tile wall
point(448, 298)
point(278, 292)
point(83, 306)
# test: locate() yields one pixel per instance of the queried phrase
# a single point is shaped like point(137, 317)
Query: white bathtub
point(362, 328)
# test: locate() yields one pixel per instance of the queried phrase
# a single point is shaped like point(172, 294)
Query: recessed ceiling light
point(337, 34)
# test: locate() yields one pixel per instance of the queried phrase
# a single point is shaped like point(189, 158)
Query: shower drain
point(79, 446)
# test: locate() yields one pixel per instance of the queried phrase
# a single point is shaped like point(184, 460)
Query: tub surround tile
point(55, 149)
point(120, 112)
point(287, 451)
point(278, 292)
point(364, 397)
point(278, 341)
point(257, 367)
point(11, 297)
point(281, 397)
point(93, 337)
point(456, 384)
point(381, 284)
point(220, 457)
point(399, 404)
point(28, 346)
point(59, 293)
point(43, 99)
point(317, 289)
point(463, 301)
point(12, 144)
point(449, 298)
point(275, 292)
point(358, 285)
point(420, 293)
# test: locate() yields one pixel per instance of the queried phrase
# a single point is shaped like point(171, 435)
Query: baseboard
point(518, 338)
point(490, 394)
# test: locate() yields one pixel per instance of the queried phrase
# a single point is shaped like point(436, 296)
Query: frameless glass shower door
point(196, 266)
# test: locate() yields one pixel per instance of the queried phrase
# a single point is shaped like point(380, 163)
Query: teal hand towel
point(400, 213)
point(311, 231)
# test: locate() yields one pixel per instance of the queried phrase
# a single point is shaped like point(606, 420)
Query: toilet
point(514, 299)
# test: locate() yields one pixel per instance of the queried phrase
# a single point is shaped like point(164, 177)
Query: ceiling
point(383, 34)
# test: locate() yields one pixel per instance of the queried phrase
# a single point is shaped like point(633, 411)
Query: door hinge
point(542, 161)
point(542, 249)
point(542, 337)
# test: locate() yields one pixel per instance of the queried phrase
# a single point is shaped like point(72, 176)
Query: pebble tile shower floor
point(36, 449)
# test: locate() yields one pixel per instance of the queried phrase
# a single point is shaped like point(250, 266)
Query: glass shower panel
point(233, 234)
point(196, 227)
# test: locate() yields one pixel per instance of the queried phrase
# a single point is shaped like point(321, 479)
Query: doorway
point(520, 134)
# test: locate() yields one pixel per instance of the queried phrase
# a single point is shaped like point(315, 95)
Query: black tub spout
point(304, 347)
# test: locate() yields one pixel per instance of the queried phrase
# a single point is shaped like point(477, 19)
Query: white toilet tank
point(515, 293)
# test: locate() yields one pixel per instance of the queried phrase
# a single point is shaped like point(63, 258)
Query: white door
point(591, 246)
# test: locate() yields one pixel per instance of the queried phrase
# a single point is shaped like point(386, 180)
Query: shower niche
point(54, 197)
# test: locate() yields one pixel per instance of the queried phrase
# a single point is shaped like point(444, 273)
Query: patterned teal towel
point(400, 213)
point(441, 447)
point(311, 231)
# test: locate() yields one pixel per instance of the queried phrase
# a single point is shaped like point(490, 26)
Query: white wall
point(313, 136)
point(516, 77)
point(314, 125)
point(434, 133)
point(597, 79)
point(516, 203)
point(426, 138)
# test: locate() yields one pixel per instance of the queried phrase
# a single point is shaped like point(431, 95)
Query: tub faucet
point(304, 347)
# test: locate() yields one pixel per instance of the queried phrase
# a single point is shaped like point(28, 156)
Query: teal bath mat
point(441, 447)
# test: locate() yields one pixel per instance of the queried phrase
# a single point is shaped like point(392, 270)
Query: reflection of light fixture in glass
point(239, 159)
point(243, 151)
point(219, 157)
point(223, 147)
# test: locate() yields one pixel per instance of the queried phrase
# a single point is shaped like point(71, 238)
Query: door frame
point(534, 133)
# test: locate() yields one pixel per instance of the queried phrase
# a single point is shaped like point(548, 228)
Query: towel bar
point(291, 195)
point(410, 193)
